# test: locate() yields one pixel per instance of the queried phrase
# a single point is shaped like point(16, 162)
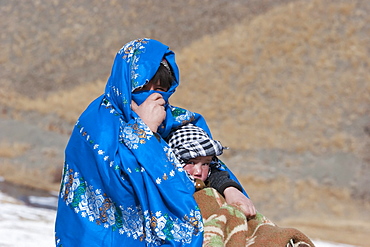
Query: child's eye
point(205, 164)
point(190, 163)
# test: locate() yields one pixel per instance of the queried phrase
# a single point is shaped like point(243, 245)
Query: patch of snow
point(45, 202)
point(21, 225)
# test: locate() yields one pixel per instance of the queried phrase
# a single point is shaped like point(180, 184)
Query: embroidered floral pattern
point(132, 47)
point(166, 228)
point(95, 205)
point(87, 201)
point(181, 115)
point(109, 107)
point(176, 164)
point(131, 52)
point(172, 158)
point(96, 146)
point(134, 134)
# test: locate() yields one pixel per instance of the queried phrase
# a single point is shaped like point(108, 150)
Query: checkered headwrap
point(190, 141)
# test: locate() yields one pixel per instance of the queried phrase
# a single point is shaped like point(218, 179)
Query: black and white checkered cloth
point(190, 141)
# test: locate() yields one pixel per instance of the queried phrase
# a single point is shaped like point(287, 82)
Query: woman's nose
point(151, 87)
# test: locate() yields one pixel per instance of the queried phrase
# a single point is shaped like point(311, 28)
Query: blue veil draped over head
point(121, 183)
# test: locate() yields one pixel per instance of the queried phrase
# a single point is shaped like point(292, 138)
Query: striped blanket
point(225, 225)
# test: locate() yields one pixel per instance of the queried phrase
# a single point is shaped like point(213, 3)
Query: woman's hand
point(235, 197)
point(151, 111)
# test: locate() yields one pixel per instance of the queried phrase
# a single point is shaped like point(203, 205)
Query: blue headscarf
point(121, 184)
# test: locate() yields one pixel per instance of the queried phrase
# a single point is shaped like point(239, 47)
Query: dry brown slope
point(294, 78)
point(49, 45)
point(290, 92)
point(53, 46)
point(60, 53)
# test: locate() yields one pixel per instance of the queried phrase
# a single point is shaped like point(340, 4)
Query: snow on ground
point(25, 226)
point(22, 226)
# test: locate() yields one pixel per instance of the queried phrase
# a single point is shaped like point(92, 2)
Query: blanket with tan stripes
point(225, 225)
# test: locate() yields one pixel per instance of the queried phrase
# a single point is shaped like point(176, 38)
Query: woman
point(122, 185)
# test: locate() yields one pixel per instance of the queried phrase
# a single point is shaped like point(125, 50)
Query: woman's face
point(153, 86)
point(198, 167)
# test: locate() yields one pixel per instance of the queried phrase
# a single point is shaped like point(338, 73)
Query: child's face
point(198, 167)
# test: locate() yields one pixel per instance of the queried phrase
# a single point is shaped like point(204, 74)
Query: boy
point(225, 225)
point(198, 152)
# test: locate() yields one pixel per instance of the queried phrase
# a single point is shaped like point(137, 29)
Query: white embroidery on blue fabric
point(95, 205)
point(128, 50)
point(133, 135)
point(95, 146)
point(131, 54)
point(182, 115)
point(116, 90)
point(172, 158)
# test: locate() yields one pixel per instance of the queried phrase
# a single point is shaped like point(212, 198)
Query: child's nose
point(197, 169)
